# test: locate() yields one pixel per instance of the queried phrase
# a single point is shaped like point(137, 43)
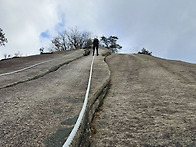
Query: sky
point(167, 28)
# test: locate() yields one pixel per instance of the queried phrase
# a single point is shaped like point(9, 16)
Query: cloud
point(167, 28)
point(24, 21)
point(164, 28)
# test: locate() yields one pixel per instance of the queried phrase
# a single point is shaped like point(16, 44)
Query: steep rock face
point(38, 111)
point(21, 70)
point(151, 102)
point(42, 110)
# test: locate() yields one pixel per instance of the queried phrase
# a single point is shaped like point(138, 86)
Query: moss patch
point(70, 121)
point(74, 100)
point(57, 111)
point(58, 138)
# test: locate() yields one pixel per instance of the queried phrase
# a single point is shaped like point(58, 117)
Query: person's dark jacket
point(95, 42)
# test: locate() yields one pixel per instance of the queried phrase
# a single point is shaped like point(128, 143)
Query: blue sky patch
point(45, 34)
point(61, 25)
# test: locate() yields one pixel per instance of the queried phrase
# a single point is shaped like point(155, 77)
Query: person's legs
point(93, 50)
point(97, 50)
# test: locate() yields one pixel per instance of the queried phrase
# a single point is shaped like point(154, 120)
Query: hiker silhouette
point(95, 46)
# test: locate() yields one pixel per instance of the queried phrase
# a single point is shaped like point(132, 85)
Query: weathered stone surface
point(37, 71)
point(43, 111)
point(99, 87)
point(151, 102)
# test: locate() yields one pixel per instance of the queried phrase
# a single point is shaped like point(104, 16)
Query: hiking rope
point(78, 122)
point(16, 71)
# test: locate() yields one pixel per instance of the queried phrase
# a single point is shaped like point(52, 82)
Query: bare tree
point(85, 40)
point(74, 37)
point(60, 42)
point(71, 39)
point(17, 55)
point(77, 39)
point(88, 44)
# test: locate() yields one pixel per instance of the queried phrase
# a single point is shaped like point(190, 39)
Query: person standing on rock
point(95, 45)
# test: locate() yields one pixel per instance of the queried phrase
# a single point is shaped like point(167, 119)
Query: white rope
point(16, 71)
point(78, 122)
